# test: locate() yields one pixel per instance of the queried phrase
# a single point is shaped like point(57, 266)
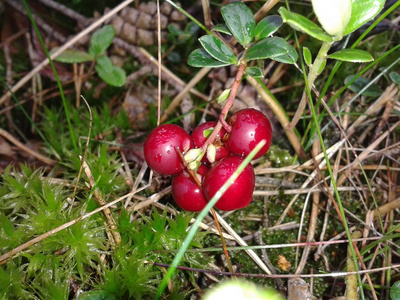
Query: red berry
point(160, 149)
point(199, 137)
point(240, 193)
point(187, 194)
point(249, 127)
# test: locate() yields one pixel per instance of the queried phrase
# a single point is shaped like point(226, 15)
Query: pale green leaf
point(352, 55)
point(301, 23)
point(110, 74)
point(361, 12)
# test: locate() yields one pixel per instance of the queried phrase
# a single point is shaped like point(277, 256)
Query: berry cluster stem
point(229, 102)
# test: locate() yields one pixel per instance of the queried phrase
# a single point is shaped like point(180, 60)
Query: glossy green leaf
point(373, 90)
point(254, 72)
point(307, 56)
point(217, 49)
point(101, 40)
point(267, 26)
point(200, 58)
point(240, 21)
point(395, 291)
point(300, 23)
point(268, 48)
point(72, 56)
point(222, 28)
point(395, 77)
point(290, 57)
point(361, 12)
point(110, 74)
point(352, 55)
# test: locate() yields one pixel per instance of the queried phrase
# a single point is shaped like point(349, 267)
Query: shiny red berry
point(201, 133)
point(160, 149)
point(187, 194)
point(249, 127)
point(240, 193)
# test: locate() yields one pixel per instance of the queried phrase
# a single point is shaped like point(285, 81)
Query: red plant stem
point(222, 123)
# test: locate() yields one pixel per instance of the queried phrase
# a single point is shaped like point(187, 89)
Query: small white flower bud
point(211, 153)
point(192, 154)
point(334, 15)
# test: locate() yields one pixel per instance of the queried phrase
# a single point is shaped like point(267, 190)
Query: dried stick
point(365, 153)
point(265, 9)
point(101, 202)
point(386, 208)
point(24, 148)
point(313, 216)
point(241, 242)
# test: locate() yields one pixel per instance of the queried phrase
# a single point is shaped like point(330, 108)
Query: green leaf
point(361, 12)
point(72, 56)
point(351, 55)
point(6, 225)
point(110, 74)
point(288, 58)
point(174, 30)
point(267, 26)
point(200, 58)
point(268, 48)
point(300, 23)
point(224, 95)
point(207, 132)
point(222, 28)
point(307, 56)
point(254, 72)
point(395, 291)
point(240, 21)
point(321, 67)
point(217, 49)
point(395, 77)
point(373, 90)
point(101, 40)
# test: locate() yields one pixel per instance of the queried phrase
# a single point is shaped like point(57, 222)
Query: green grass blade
point(55, 75)
point(200, 217)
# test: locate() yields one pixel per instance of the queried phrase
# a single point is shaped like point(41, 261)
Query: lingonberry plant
point(215, 140)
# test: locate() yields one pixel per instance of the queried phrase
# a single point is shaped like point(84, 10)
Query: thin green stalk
point(55, 75)
point(318, 62)
point(189, 16)
point(200, 217)
point(337, 196)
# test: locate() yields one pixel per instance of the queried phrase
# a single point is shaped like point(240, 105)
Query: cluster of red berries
point(201, 171)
